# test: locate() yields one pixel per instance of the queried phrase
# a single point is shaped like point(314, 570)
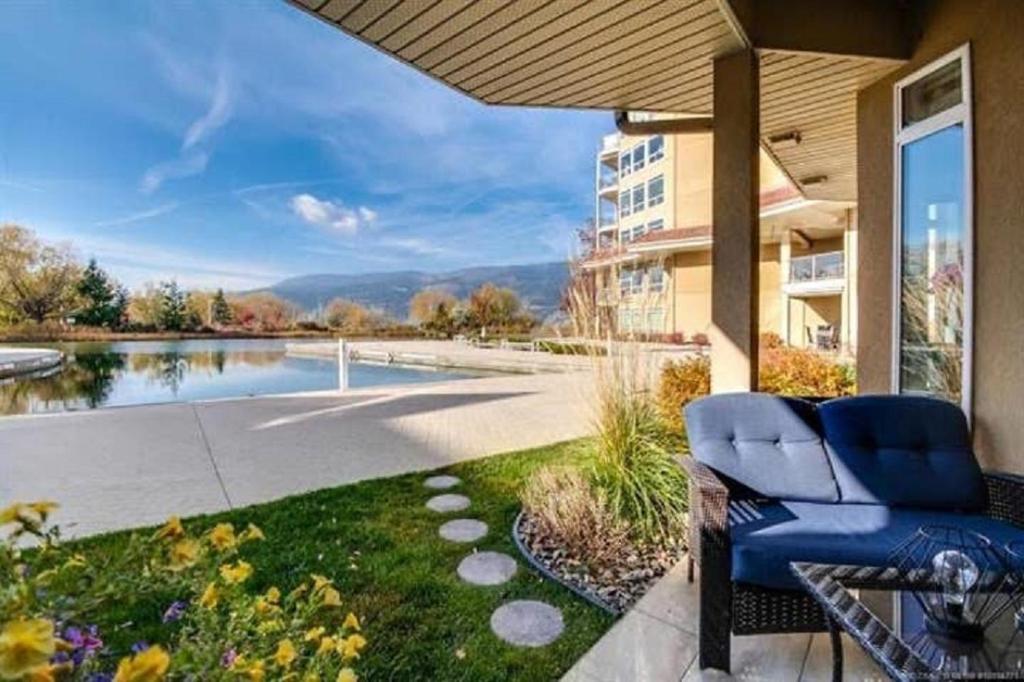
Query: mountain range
point(539, 285)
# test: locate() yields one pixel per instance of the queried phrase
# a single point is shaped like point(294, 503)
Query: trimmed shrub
point(682, 382)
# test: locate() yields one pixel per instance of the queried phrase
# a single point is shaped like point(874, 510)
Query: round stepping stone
point(527, 623)
point(442, 482)
point(463, 530)
point(487, 568)
point(448, 503)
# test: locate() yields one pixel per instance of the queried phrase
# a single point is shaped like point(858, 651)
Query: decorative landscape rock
point(617, 586)
point(487, 568)
point(463, 530)
point(448, 503)
point(442, 482)
point(527, 623)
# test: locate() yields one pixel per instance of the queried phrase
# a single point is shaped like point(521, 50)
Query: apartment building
point(652, 257)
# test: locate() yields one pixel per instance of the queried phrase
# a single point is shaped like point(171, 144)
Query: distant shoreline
point(72, 336)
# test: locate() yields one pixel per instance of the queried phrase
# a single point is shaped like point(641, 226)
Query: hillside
point(539, 285)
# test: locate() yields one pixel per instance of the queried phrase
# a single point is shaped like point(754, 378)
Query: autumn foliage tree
point(37, 281)
point(263, 311)
point(424, 306)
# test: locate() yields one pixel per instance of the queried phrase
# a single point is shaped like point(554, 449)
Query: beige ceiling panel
point(401, 15)
point(336, 9)
point(503, 28)
point(366, 13)
point(433, 14)
point(524, 58)
point(672, 46)
point(470, 14)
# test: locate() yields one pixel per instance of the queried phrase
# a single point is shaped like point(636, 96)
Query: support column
point(735, 248)
point(785, 252)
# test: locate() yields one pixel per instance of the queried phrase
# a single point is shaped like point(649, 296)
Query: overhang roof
point(650, 55)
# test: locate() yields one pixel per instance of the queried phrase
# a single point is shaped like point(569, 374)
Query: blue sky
point(236, 143)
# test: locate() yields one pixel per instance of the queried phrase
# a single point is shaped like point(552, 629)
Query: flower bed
point(614, 587)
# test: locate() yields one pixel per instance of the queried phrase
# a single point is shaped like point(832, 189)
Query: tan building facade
point(652, 261)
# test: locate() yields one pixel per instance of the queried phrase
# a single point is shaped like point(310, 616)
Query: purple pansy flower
point(139, 647)
point(228, 659)
point(175, 611)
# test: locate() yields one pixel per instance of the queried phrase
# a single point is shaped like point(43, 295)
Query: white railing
point(610, 144)
point(821, 266)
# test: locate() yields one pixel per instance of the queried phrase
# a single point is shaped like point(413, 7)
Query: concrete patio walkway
point(124, 467)
point(657, 642)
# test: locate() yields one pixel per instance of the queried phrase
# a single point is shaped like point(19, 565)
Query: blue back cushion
point(902, 451)
point(767, 443)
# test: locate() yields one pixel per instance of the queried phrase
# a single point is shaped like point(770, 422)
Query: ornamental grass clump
point(635, 466)
point(215, 628)
point(567, 508)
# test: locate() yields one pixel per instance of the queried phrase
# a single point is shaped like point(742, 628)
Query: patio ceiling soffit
point(655, 56)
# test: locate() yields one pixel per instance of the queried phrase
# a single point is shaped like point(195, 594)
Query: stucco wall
point(995, 30)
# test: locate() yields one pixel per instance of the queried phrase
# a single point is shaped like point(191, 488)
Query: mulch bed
point(616, 587)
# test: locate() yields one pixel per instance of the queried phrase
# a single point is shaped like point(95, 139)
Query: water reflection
point(131, 373)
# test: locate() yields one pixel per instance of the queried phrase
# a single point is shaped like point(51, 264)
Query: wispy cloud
point(182, 167)
point(415, 245)
point(138, 217)
point(193, 159)
point(332, 215)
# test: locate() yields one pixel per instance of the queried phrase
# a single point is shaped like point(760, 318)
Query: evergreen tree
point(221, 312)
point(172, 306)
point(103, 301)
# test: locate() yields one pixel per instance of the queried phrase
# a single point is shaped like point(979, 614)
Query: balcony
point(822, 274)
point(609, 151)
point(608, 184)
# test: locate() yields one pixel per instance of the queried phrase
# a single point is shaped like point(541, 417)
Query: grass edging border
point(547, 573)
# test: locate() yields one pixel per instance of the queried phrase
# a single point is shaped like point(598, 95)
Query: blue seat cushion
point(903, 451)
point(766, 537)
point(767, 443)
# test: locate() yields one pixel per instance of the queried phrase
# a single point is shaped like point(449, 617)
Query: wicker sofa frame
point(737, 608)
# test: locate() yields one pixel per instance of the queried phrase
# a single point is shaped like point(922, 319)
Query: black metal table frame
point(830, 586)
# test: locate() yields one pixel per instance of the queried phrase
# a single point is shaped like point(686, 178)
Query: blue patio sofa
point(775, 480)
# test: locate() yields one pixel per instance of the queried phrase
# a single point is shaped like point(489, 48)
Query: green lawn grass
point(380, 544)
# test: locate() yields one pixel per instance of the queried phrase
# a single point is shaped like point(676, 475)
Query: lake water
point(144, 372)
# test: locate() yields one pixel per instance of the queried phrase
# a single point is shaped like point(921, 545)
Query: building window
point(656, 225)
point(638, 231)
point(625, 318)
point(638, 156)
point(624, 203)
point(655, 320)
point(625, 168)
point(625, 282)
point(656, 279)
point(656, 190)
point(638, 198)
point(933, 231)
point(625, 236)
point(637, 278)
point(655, 149)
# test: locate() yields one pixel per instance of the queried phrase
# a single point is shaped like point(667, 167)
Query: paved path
point(656, 641)
point(15, 361)
point(122, 467)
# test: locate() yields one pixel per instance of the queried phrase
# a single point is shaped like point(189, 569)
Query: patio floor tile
point(763, 658)
point(640, 648)
point(857, 665)
point(674, 600)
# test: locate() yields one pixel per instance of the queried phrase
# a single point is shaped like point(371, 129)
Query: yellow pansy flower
point(285, 654)
point(314, 634)
point(183, 554)
point(43, 508)
point(351, 622)
point(327, 645)
point(255, 672)
point(273, 595)
point(172, 529)
point(320, 581)
point(24, 646)
point(10, 513)
point(236, 574)
point(252, 532)
point(147, 666)
point(210, 597)
point(76, 561)
point(351, 646)
point(311, 676)
point(347, 675)
point(332, 597)
point(48, 673)
point(269, 626)
point(223, 536)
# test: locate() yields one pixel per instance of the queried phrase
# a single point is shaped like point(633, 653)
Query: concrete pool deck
point(124, 467)
point(18, 361)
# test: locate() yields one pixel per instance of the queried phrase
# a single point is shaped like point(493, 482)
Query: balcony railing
point(610, 145)
point(608, 181)
point(821, 266)
point(606, 221)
